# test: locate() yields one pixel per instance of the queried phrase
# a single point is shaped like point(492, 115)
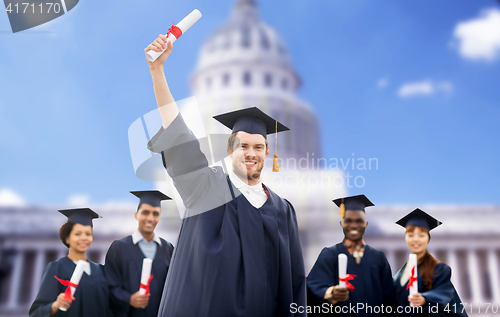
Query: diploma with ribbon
point(344, 278)
point(72, 284)
point(412, 281)
point(146, 276)
point(175, 32)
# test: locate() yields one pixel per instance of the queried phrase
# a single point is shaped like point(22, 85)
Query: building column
point(15, 281)
point(475, 277)
point(493, 268)
point(455, 270)
point(38, 268)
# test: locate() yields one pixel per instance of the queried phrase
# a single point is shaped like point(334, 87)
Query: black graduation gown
point(442, 295)
point(373, 281)
point(232, 259)
point(91, 295)
point(123, 269)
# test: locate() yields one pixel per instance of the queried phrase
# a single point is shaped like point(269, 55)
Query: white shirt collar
point(137, 236)
point(238, 183)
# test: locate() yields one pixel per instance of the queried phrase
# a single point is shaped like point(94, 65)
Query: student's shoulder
point(121, 242)
point(375, 252)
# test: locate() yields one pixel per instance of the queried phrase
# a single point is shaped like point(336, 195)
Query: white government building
point(243, 64)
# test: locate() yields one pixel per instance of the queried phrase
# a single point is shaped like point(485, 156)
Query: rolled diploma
point(342, 269)
point(75, 278)
point(184, 25)
point(413, 263)
point(146, 273)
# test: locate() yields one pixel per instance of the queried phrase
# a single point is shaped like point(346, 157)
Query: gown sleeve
point(298, 271)
point(322, 275)
point(49, 290)
point(387, 281)
point(119, 297)
point(201, 187)
point(443, 292)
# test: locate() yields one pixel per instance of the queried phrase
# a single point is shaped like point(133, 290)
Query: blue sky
point(388, 79)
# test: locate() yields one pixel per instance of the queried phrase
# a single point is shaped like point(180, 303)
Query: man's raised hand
point(159, 45)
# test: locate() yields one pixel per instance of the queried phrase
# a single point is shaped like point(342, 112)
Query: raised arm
point(164, 99)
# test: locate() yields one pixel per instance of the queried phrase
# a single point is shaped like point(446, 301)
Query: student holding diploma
point(434, 291)
point(136, 266)
point(351, 272)
point(238, 251)
point(73, 285)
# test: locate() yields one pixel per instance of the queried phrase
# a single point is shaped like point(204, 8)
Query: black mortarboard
point(419, 218)
point(150, 197)
point(82, 216)
point(358, 202)
point(251, 120)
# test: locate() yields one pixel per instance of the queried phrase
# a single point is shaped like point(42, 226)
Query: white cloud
point(9, 198)
point(424, 88)
point(78, 200)
point(382, 83)
point(479, 39)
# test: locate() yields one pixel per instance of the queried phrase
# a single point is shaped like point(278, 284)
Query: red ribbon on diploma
point(146, 286)
point(348, 277)
point(175, 31)
point(67, 293)
point(412, 278)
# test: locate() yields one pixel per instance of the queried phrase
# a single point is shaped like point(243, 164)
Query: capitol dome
point(245, 64)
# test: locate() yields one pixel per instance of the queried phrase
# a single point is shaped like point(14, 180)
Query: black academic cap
point(250, 120)
point(150, 197)
point(358, 202)
point(82, 216)
point(419, 218)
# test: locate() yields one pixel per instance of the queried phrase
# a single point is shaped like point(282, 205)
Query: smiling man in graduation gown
point(238, 251)
point(372, 279)
point(124, 259)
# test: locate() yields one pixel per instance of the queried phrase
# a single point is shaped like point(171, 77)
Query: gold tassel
point(342, 209)
point(276, 166)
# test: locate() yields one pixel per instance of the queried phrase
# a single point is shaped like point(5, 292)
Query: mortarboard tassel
point(342, 209)
point(276, 166)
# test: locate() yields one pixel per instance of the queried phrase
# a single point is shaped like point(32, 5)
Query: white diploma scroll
point(75, 277)
point(146, 273)
point(412, 262)
point(184, 25)
point(342, 269)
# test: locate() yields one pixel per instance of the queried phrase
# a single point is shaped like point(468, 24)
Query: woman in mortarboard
point(90, 298)
point(436, 294)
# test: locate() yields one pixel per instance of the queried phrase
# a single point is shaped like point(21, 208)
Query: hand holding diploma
point(72, 284)
point(140, 299)
point(60, 303)
point(174, 33)
point(416, 299)
point(340, 293)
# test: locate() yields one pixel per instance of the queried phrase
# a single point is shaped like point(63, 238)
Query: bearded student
point(238, 251)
